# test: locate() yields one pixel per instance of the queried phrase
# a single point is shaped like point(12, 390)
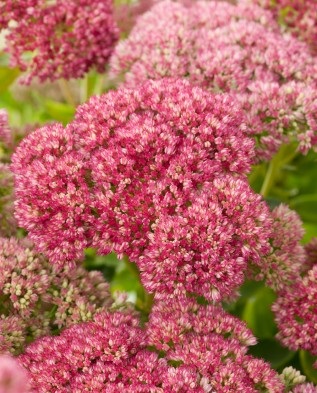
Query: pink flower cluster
point(59, 39)
point(210, 341)
point(126, 14)
point(297, 16)
point(287, 257)
point(37, 299)
point(305, 388)
point(156, 173)
point(184, 348)
point(14, 10)
point(227, 48)
point(296, 313)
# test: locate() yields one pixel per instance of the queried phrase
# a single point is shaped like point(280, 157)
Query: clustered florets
point(147, 172)
point(305, 388)
point(116, 179)
point(37, 299)
point(286, 260)
point(211, 342)
point(62, 39)
point(156, 171)
point(296, 313)
point(297, 16)
point(204, 348)
point(227, 48)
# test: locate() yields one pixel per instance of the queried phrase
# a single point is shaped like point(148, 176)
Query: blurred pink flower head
point(229, 48)
point(59, 39)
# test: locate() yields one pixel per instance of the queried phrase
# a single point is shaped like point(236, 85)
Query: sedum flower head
point(38, 299)
point(157, 173)
point(61, 39)
point(112, 354)
point(287, 257)
point(107, 354)
point(296, 313)
point(211, 342)
point(271, 74)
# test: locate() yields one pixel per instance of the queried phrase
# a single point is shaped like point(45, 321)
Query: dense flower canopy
point(132, 171)
point(112, 354)
point(228, 48)
point(212, 343)
point(59, 39)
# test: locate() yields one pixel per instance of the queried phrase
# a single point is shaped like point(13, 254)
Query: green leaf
point(283, 14)
point(307, 360)
point(273, 352)
point(7, 77)
point(59, 111)
point(310, 231)
point(247, 289)
point(125, 281)
point(107, 264)
point(306, 207)
point(258, 314)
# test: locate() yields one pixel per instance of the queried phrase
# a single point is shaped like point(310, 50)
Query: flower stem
point(66, 91)
point(84, 94)
point(282, 157)
point(268, 180)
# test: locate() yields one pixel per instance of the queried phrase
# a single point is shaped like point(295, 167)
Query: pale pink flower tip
point(13, 379)
point(305, 388)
